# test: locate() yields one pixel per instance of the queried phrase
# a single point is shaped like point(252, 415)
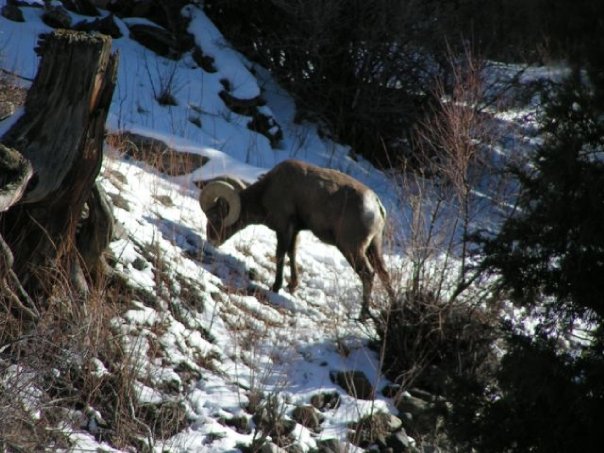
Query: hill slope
point(215, 360)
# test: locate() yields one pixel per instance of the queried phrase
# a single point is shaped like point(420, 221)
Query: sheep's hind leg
point(364, 270)
point(291, 253)
point(280, 257)
point(374, 252)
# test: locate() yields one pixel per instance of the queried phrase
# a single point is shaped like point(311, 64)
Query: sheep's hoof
point(292, 288)
point(364, 315)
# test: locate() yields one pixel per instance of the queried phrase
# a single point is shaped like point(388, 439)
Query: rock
point(267, 126)
point(204, 61)
point(262, 123)
point(56, 17)
point(399, 442)
point(431, 449)
point(83, 7)
point(12, 12)
point(140, 264)
point(240, 424)
point(330, 446)
point(406, 418)
point(270, 447)
point(392, 390)
point(275, 426)
point(325, 400)
point(119, 202)
point(166, 200)
point(167, 417)
point(421, 416)
point(157, 154)
point(422, 394)
point(131, 8)
point(412, 405)
point(355, 383)
point(394, 424)
point(105, 25)
point(307, 416)
point(247, 107)
point(156, 39)
point(374, 429)
point(294, 448)
point(101, 3)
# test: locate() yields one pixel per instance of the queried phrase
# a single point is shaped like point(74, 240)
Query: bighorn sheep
point(296, 196)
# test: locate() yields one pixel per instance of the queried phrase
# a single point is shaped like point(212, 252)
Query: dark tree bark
point(61, 134)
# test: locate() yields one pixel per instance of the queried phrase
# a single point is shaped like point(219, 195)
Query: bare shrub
point(430, 343)
point(74, 362)
point(270, 421)
point(443, 327)
point(50, 372)
point(164, 82)
point(26, 422)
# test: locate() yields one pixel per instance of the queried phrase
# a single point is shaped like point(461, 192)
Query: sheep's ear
point(216, 190)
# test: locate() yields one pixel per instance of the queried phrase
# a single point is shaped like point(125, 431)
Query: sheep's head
point(221, 203)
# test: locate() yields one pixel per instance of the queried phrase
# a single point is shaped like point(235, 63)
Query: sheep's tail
point(383, 211)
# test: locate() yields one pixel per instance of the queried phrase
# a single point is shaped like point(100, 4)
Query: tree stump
point(61, 135)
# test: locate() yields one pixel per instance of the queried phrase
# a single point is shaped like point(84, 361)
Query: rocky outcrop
point(157, 153)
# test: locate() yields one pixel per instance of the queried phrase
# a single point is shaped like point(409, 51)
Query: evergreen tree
point(551, 252)
point(549, 391)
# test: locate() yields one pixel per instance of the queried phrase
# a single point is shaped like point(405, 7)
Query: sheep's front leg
point(284, 244)
point(280, 256)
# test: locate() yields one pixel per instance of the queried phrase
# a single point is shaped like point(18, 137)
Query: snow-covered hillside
point(211, 336)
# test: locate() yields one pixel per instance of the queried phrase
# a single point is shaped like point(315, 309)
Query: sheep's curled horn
point(215, 190)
